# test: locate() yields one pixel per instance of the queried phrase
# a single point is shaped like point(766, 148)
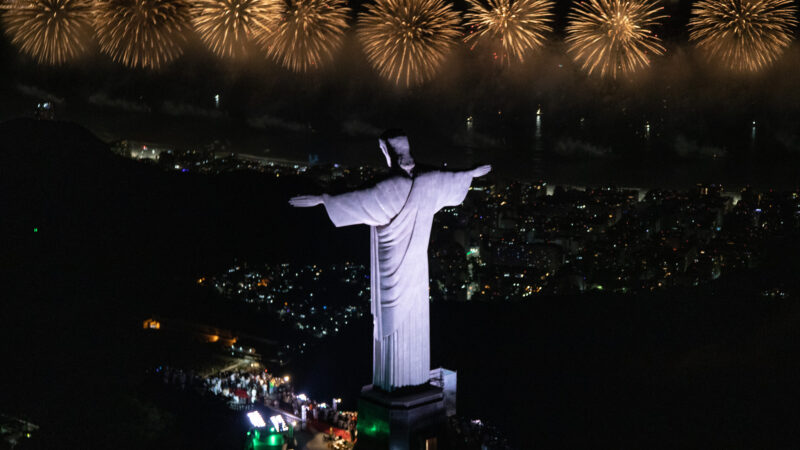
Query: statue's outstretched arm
point(305, 201)
point(480, 171)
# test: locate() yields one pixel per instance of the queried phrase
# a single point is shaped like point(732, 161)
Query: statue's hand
point(305, 201)
point(481, 171)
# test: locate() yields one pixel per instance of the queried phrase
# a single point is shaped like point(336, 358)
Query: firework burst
point(51, 31)
point(407, 40)
point(308, 33)
point(142, 33)
point(519, 25)
point(228, 27)
point(745, 35)
point(613, 37)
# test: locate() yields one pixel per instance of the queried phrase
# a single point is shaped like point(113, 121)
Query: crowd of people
point(246, 388)
point(320, 416)
point(242, 389)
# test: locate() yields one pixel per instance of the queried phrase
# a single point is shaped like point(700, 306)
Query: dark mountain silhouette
point(91, 205)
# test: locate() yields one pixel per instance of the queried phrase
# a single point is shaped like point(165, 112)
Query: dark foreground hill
point(116, 240)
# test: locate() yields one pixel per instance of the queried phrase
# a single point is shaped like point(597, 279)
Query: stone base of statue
point(413, 418)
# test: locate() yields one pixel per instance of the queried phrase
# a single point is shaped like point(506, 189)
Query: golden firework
point(229, 26)
point(142, 33)
point(51, 31)
point(519, 25)
point(745, 35)
point(613, 37)
point(308, 34)
point(407, 40)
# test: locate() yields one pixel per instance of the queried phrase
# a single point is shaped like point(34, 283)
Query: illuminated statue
point(399, 211)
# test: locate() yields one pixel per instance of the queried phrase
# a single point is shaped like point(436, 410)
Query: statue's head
point(395, 148)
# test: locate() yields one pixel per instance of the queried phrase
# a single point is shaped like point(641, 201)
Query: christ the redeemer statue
point(399, 211)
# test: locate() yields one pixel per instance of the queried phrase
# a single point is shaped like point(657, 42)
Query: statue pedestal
point(410, 419)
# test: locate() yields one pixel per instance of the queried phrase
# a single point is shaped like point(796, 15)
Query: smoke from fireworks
point(518, 25)
point(407, 40)
point(229, 26)
point(613, 37)
point(745, 35)
point(308, 33)
point(142, 33)
point(51, 31)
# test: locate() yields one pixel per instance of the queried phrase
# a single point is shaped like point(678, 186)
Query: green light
point(35, 230)
point(271, 441)
point(373, 426)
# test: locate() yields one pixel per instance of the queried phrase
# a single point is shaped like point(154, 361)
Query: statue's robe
point(400, 213)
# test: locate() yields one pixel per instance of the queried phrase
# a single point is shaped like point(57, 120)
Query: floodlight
point(256, 419)
point(279, 423)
